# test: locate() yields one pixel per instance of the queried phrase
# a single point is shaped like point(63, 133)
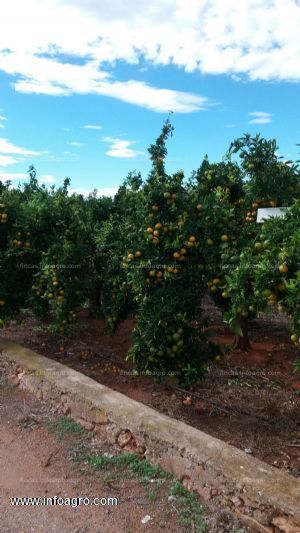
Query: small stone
point(248, 450)
point(237, 502)
point(188, 400)
point(171, 498)
point(146, 519)
point(13, 379)
point(85, 424)
point(66, 409)
point(124, 438)
point(186, 482)
point(286, 524)
point(250, 522)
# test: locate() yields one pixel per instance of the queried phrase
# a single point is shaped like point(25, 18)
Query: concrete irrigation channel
point(262, 496)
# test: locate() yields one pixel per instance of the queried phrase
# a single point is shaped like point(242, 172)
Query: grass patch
point(64, 426)
point(156, 482)
point(190, 510)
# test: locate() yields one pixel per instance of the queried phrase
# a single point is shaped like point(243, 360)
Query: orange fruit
point(283, 269)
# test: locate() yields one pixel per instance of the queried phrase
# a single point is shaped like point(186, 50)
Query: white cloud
point(2, 118)
point(47, 179)
point(6, 147)
point(121, 148)
point(75, 143)
point(92, 127)
point(10, 154)
point(13, 176)
point(260, 117)
point(103, 191)
point(6, 160)
point(256, 40)
point(2, 125)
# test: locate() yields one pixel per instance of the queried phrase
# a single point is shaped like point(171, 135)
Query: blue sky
point(85, 85)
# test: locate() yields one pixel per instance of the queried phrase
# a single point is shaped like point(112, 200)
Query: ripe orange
point(283, 268)
point(156, 233)
point(149, 230)
point(158, 225)
point(176, 255)
point(224, 238)
point(192, 238)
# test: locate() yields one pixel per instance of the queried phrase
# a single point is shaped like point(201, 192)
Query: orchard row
point(155, 250)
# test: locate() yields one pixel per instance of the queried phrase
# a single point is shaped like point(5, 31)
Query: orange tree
point(268, 182)
point(19, 257)
point(113, 239)
point(270, 266)
point(48, 250)
point(69, 277)
point(164, 268)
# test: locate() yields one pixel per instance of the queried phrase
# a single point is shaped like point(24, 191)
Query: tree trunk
point(242, 342)
point(95, 299)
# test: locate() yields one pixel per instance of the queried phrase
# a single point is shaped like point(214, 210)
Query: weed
point(64, 426)
point(189, 508)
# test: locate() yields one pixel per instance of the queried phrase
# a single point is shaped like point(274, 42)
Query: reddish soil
point(35, 463)
point(251, 400)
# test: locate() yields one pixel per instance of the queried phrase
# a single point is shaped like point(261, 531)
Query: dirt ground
point(35, 463)
point(250, 400)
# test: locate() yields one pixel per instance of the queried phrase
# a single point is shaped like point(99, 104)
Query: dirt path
point(33, 463)
point(37, 463)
